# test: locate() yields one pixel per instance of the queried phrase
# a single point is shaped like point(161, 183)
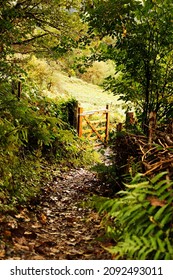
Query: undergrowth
point(124, 162)
point(139, 219)
point(35, 133)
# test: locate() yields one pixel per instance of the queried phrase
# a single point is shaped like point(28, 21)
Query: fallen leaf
point(11, 222)
point(21, 247)
point(7, 233)
point(20, 240)
point(70, 243)
point(23, 215)
point(93, 216)
point(155, 201)
point(30, 234)
point(31, 245)
point(73, 231)
point(38, 257)
point(2, 218)
point(75, 252)
point(87, 238)
point(18, 232)
point(43, 219)
point(2, 253)
point(15, 258)
point(36, 225)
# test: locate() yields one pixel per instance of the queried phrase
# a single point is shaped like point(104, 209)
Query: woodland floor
point(58, 226)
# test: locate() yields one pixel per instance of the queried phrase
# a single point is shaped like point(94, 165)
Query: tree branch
point(30, 40)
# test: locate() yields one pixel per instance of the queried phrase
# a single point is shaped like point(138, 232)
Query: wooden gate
point(94, 125)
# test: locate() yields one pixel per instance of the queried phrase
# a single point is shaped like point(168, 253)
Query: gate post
point(107, 123)
point(79, 129)
point(72, 107)
point(119, 127)
point(152, 127)
point(130, 120)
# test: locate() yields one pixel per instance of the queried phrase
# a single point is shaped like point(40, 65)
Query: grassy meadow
point(55, 83)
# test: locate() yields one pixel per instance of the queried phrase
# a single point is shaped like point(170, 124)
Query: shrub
point(141, 219)
point(97, 73)
point(31, 133)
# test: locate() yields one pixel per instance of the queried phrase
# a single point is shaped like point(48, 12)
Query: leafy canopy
point(142, 34)
point(34, 26)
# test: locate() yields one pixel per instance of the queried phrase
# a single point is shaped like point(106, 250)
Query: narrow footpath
point(58, 226)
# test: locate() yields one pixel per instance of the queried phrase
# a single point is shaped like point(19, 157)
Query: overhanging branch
point(31, 39)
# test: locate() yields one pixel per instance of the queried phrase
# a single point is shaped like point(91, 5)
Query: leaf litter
point(57, 226)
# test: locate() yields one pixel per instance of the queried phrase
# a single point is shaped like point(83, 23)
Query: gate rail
point(93, 126)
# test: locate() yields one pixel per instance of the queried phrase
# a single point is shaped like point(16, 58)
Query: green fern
point(34, 133)
point(144, 213)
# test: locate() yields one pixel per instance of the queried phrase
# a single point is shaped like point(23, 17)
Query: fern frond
point(143, 211)
point(157, 178)
point(139, 185)
point(169, 246)
point(162, 186)
point(153, 242)
point(157, 255)
point(160, 212)
point(161, 245)
point(149, 229)
point(166, 219)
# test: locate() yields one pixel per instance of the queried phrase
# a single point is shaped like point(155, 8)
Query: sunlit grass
point(57, 84)
point(89, 96)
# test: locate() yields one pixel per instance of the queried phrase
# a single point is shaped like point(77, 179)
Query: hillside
point(89, 96)
point(55, 83)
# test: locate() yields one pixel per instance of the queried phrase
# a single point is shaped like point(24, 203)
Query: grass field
point(57, 84)
point(88, 95)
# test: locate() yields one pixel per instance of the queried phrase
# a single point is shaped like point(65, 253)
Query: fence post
point(107, 123)
point(80, 118)
point(75, 122)
point(152, 127)
point(130, 120)
point(72, 113)
point(119, 127)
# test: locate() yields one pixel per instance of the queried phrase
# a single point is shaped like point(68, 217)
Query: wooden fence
point(94, 125)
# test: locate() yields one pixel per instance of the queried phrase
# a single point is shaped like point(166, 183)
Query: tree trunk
point(147, 101)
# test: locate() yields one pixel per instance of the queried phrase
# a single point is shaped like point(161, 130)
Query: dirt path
point(57, 226)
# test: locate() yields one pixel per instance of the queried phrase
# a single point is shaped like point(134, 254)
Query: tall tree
point(40, 26)
point(142, 49)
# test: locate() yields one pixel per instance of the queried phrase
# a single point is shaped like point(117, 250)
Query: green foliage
point(47, 28)
point(32, 133)
point(142, 51)
point(20, 180)
point(97, 72)
point(141, 219)
point(126, 158)
point(107, 174)
point(124, 161)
